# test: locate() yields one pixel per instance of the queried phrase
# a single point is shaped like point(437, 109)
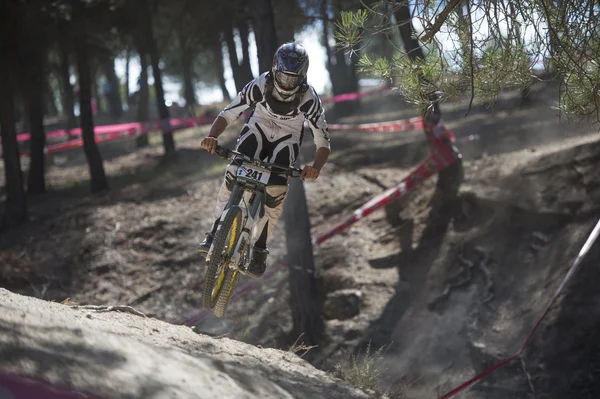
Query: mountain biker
point(282, 100)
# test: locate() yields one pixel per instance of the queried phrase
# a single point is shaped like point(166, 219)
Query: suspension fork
point(237, 193)
point(256, 201)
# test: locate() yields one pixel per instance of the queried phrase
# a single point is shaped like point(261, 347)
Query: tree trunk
point(387, 39)
point(112, 90)
point(347, 70)
point(245, 67)
point(325, 39)
point(187, 59)
point(127, 74)
point(233, 59)
point(285, 25)
point(407, 30)
point(217, 50)
point(307, 295)
point(163, 110)
point(342, 72)
point(451, 177)
point(15, 211)
point(49, 105)
point(143, 99)
point(100, 103)
point(264, 32)
point(68, 99)
point(35, 85)
point(98, 179)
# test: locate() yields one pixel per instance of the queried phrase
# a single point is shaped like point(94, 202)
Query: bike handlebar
point(230, 154)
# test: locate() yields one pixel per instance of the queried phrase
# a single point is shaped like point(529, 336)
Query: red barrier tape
point(107, 129)
point(354, 96)
point(115, 132)
point(189, 122)
point(441, 157)
point(391, 126)
point(574, 266)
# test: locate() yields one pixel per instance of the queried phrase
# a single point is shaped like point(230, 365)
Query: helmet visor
point(287, 81)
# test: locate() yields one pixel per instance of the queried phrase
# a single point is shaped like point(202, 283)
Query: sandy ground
point(118, 355)
point(529, 197)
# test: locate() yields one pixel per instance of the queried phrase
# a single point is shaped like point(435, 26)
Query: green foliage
point(361, 371)
point(581, 91)
point(478, 49)
point(351, 27)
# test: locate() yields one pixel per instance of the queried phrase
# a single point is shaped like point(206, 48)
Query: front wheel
point(229, 283)
point(217, 269)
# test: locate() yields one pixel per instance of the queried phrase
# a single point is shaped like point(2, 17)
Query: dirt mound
point(444, 287)
point(117, 355)
point(469, 289)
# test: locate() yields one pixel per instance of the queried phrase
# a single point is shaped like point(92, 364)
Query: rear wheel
point(217, 270)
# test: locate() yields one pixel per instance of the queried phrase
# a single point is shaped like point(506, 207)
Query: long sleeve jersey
point(309, 108)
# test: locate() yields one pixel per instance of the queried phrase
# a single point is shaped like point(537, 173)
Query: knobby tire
point(217, 266)
point(229, 283)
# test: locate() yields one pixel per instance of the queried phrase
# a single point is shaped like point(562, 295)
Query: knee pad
point(276, 195)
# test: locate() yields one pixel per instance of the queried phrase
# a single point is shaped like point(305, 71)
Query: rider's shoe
point(204, 246)
point(258, 263)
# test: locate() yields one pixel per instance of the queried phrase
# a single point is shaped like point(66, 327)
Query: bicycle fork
point(256, 200)
point(256, 197)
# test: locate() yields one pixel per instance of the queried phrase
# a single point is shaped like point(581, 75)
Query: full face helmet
point(290, 64)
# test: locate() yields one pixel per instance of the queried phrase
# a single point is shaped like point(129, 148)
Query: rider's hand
point(210, 144)
point(309, 172)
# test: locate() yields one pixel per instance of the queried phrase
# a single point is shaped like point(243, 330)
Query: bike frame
point(252, 203)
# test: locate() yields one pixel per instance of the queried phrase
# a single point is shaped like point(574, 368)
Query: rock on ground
point(342, 304)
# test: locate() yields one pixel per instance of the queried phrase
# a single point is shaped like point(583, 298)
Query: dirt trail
point(529, 196)
point(116, 355)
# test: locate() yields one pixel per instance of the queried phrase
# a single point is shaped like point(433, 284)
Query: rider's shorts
point(258, 142)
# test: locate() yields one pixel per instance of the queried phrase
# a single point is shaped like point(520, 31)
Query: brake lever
point(222, 152)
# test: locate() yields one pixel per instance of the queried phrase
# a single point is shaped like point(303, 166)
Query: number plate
point(253, 173)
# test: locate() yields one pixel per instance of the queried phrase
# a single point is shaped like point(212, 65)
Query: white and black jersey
point(279, 121)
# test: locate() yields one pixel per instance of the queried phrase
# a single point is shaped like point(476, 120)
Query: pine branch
point(439, 21)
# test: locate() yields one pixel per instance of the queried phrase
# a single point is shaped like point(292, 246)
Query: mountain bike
point(231, 249)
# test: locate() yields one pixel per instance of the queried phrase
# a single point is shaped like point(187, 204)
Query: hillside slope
point(529, 197)
point(117, 355)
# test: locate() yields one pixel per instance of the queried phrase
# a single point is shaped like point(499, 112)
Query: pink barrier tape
point(391, 126)
point(354, 96)
point(574, 266)
point(16, 387)
point(109, 134)
point(98, 139)
point(441, 157)
point(105, 129)
point(190, 122)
